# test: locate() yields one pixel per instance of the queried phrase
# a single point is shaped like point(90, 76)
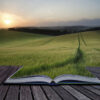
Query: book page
point(29, 80)
point(77, 78)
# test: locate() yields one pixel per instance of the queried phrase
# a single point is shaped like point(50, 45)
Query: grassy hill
point(48, 55)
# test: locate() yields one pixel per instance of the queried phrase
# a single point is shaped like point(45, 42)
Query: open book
point(62, 79)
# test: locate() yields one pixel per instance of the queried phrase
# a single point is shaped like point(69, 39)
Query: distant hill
point(56, 30)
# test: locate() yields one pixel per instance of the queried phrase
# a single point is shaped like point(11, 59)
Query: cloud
point(83, 22)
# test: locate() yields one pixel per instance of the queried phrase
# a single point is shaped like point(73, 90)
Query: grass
point(49, 55)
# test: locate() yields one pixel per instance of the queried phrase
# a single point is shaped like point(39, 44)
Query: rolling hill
point(48, 55)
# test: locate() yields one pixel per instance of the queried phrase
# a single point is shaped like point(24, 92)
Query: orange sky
point(14, 20)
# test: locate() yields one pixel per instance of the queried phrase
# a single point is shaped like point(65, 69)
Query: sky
point(48, 12)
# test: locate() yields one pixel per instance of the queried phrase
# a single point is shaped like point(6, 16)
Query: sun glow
point(7, 21)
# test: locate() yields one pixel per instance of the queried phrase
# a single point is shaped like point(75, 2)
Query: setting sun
point(7, 21)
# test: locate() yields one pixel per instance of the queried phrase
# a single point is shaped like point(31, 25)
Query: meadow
point(49, 55)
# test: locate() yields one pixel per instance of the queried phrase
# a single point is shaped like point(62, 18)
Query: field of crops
point(49, 55)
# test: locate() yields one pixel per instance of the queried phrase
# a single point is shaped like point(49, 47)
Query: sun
point(7, 21)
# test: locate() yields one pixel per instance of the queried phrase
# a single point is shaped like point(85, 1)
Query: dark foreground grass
point(49, 55)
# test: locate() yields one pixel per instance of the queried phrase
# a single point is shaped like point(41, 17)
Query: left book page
point(38, 79)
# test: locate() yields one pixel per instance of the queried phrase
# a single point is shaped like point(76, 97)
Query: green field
point(49, 55)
